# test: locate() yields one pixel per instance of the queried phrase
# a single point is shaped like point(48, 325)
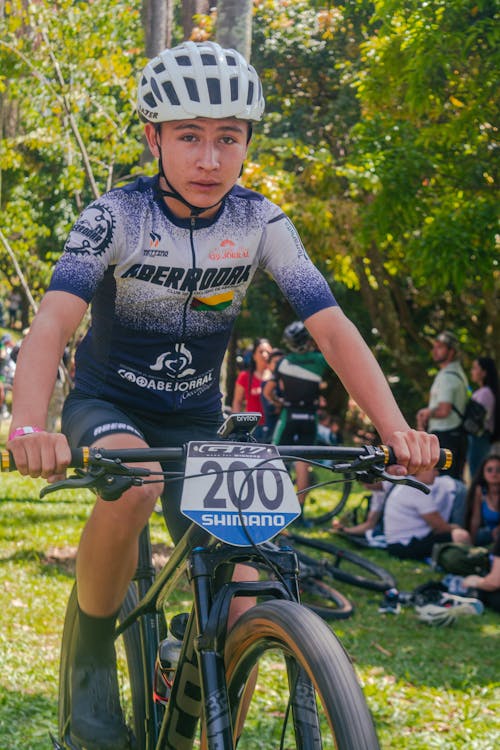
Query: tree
point(69, 130)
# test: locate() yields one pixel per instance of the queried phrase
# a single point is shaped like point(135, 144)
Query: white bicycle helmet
point(199, 80)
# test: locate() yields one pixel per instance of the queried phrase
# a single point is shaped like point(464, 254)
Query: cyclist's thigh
point(86, 420)
point(96, 422)
point(176, 431)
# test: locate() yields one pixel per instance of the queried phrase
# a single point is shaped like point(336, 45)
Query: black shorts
point(85, 420)
point(296, 427)
point(418, 549)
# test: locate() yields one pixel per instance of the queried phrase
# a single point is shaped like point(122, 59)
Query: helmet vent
point(250, 92)
point(160, 68)
point(150, 100)
point(192, 89)
point(156, 90)
point(183, 60)
point(231, 60)
point(214, 94)
point(208, 60)
point(233, 84)
point(170, 92)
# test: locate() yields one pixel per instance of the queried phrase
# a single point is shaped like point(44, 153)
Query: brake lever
point(103, 479)
point(379, 473)
point(79, 480)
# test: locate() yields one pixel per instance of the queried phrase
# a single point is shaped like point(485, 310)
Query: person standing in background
point(484, 374)
point(248, 387)
point(448, 398)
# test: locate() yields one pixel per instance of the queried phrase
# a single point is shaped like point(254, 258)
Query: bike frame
point(201, 663)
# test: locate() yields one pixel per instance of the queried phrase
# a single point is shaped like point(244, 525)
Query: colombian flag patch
point(214, 303)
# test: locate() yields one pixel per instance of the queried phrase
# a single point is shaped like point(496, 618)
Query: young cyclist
point(296, 386)
point(165, 263)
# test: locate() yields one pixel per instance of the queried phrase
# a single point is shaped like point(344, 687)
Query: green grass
point(427, 688)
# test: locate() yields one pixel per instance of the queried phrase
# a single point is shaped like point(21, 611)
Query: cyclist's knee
point(241, 604)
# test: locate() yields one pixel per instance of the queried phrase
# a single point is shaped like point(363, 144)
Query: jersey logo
point(175, 363)
point(215, 303)
point(92, 234)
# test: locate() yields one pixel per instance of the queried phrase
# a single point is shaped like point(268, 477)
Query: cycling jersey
point(165, 291)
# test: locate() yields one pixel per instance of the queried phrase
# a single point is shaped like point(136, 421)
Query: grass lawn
point(427, 688)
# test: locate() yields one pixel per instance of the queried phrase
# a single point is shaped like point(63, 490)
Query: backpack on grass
point(461, 559)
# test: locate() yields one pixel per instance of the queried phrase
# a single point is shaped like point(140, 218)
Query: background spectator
point(483, 503)
point(413, 523)
point(448, 397)
point(271, 410)
point(248, 387)
point(484, 374)
point(296, 386)
point(488, 586)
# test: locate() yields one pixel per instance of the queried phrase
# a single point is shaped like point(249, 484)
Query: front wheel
point(130, 674)
point(307, 695)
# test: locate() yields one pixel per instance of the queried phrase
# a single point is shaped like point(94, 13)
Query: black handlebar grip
point(444, 462)
point(79, 458)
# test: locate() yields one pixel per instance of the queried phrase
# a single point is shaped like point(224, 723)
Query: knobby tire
point(313, 657)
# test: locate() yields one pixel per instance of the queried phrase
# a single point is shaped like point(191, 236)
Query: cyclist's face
point(202, 158)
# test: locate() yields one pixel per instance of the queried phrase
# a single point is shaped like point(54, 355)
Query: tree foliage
point(68, 126)
point(379, 141)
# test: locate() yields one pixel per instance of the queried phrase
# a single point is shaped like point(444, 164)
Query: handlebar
point(83, 458)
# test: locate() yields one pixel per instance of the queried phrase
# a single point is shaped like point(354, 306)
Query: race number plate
point(233, 487)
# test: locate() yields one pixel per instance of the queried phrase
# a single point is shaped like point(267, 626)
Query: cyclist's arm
point(349, 356)
point(42, 454)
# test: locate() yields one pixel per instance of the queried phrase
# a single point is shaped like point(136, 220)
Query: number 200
point(242, 497)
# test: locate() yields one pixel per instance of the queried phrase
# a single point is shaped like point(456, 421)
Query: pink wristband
point(20, 431)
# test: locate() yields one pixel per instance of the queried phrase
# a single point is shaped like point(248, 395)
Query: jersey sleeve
point(283, 255)
point(89, 250)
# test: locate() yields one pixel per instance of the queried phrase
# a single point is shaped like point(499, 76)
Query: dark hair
point(487, 364)
point(478, 480)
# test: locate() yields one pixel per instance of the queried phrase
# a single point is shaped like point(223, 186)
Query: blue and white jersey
point(165, 292)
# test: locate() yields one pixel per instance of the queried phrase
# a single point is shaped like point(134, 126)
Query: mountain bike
point(239, 496)
point(340, 564)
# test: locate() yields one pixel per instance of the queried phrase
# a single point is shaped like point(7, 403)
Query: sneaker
point(390, 603)
point(97, 721)
point(447, 609)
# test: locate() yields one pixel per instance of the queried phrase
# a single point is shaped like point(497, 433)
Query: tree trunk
point(157, 19)
point(234, 25)
point(191, 8)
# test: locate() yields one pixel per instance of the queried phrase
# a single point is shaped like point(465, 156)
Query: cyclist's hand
point(415, 451)
point(41, 454)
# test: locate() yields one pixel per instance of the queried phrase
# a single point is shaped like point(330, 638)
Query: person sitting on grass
point(413, 522)
point(488, 586)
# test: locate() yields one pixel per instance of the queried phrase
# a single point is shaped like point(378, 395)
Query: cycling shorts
point(295, 427)
point(85, 420)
